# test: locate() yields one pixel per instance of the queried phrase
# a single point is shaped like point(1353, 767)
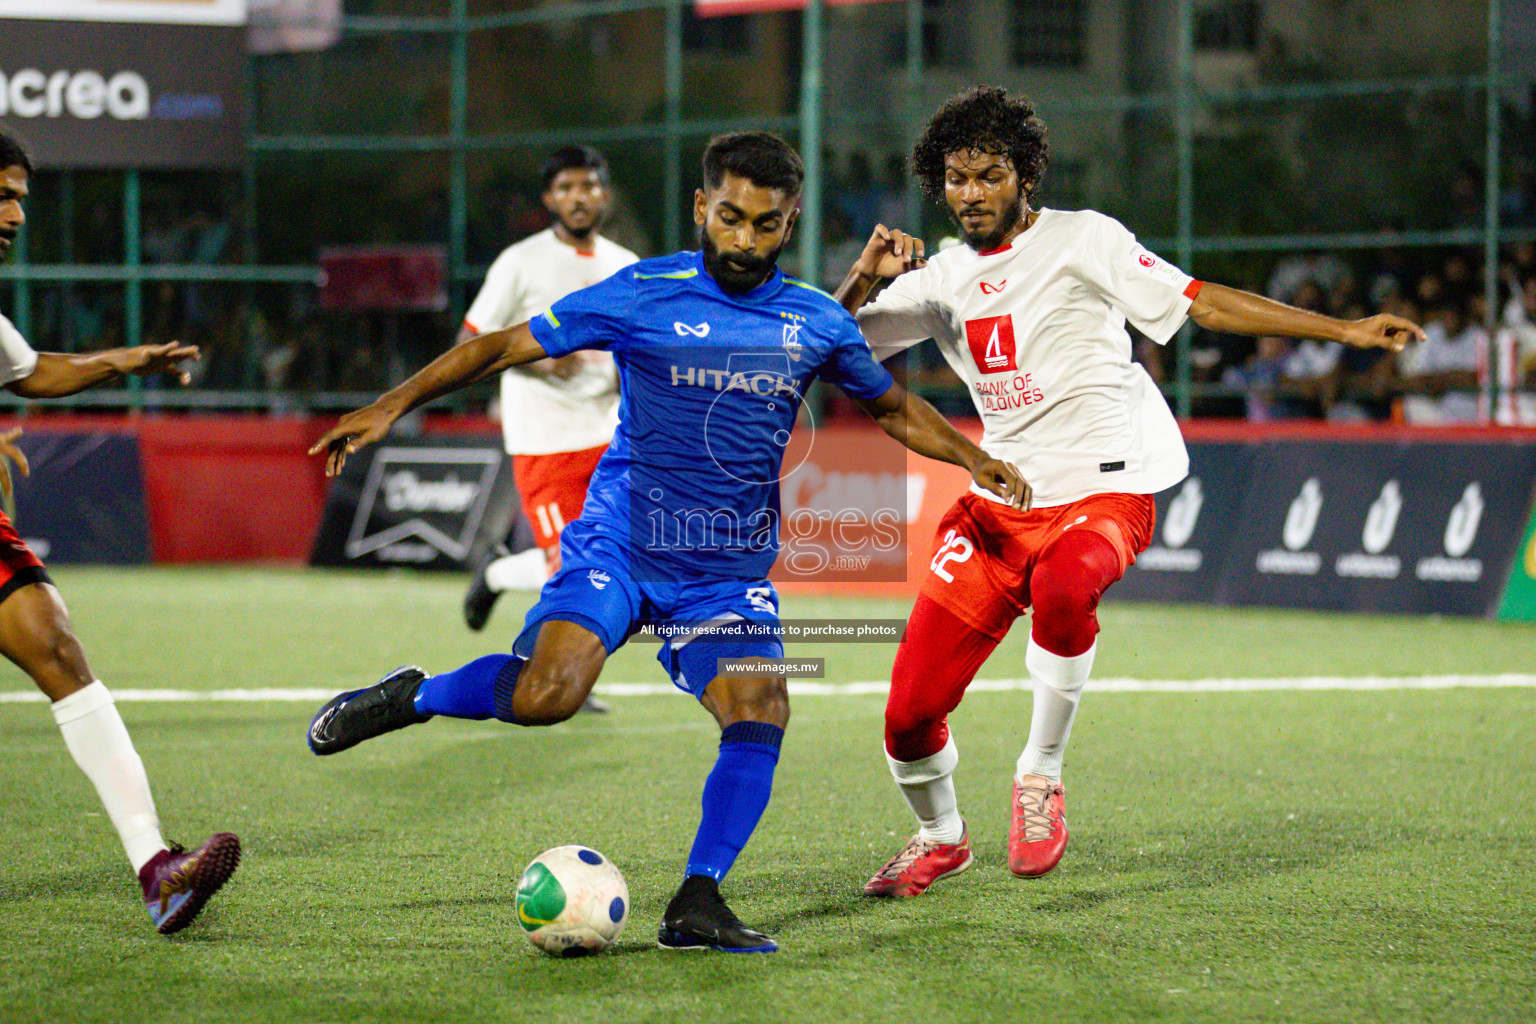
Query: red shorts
point(553, 488)
point(985, 551)
point(18, 565)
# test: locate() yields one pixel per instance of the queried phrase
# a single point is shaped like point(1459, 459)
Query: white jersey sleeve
point(1153, 294)
point(499, 296)
point(905, 313)
point(17, 358)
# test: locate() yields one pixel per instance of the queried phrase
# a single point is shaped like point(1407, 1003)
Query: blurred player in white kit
point(557, 415)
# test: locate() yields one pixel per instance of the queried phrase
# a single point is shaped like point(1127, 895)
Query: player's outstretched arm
point(888, 254)
point(1232, 311)
point(59, 373)
point(476, 359)
point(918, 425)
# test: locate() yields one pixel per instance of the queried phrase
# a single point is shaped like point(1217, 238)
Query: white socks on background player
point(1058, 687)
point(929, 787)
point(526, 570)
point(98, 741)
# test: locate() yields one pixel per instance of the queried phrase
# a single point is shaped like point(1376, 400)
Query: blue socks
point(482, 689)
point(735, 796)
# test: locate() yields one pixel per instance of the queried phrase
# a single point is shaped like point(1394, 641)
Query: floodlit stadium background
point(1229, 134)
point(1381, 151)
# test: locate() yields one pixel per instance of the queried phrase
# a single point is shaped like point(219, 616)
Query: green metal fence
point(440, 48)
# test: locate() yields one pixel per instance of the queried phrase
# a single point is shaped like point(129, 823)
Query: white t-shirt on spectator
point(1440, 352)
point(1311, 359)
point(540, 415)
point(17, 359)
point(1036, 330)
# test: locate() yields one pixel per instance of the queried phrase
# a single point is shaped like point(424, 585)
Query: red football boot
point(1037, 836)
point(919, 864)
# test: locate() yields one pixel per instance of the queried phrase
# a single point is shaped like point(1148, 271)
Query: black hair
point(763, 158)
point(574, 158)
point(983, 119)
point(13, 153)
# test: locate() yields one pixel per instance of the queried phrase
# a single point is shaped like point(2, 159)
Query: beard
point(994, 238)
point(581, 231)
point(755, 269)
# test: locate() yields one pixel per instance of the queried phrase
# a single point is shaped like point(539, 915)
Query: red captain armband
point(475, 330)
point(1192, 289)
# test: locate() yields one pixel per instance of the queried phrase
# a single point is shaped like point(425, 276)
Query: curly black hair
point(982, 119)
point(13, 153)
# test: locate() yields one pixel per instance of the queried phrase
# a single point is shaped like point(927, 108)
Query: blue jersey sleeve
point(596, 317)
point(852, 366)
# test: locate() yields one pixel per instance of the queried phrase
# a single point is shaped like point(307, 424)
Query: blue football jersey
point(711, 384)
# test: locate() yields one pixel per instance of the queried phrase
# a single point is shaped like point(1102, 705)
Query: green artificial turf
point(1248, 856)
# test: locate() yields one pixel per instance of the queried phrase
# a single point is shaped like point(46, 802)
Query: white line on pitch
point(879, 687)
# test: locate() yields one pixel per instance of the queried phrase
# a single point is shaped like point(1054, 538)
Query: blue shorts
point(701, 621)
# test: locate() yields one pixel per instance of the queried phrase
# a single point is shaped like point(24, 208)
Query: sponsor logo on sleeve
point(1160, 269)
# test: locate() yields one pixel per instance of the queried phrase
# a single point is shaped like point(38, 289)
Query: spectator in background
point(1365, 379)
point(1466, 197)
point(1439, 375)
point(1326, 270)
point(1260, 378)
point(1309, 379)
point(1520, 318)
point(1458, 273)
point(295, 365)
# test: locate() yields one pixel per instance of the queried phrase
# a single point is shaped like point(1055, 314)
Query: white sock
point(98, 741)
point(1058, 687)
point(929, 786)
point(525, 570)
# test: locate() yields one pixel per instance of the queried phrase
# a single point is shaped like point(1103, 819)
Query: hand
point(9, 452)
point(890, 253)
point(1382, 331)
point(144, 360)
point(1003, 480)
point(355, 429)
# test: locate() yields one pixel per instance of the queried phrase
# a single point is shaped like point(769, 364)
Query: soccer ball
point(572, 901)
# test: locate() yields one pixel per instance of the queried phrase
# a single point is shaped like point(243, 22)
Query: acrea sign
point(88, 94)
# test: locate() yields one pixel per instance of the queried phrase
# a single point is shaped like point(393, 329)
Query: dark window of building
point(1049, 33)
point(946, 36)
point(1066, 185)
point(728, 35)
point(1231, 25)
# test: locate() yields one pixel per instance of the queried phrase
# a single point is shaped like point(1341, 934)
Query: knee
point(59, 655)
point(916, 710)
point(765, 700)
point(1056, 599)
point(908, 724)
point(1067, 586)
